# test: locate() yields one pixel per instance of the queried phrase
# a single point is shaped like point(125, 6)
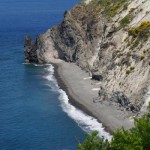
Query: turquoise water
point(31, 113)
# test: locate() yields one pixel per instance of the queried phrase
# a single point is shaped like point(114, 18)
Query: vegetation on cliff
point(109, 39)
point(137, 138)
point(140, 33)
point(107, 7)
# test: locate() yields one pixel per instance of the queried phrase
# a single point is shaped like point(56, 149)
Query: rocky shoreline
point(111, 43)
point(81, 94)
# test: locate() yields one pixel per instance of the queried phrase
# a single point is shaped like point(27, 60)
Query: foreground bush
point(137, 138)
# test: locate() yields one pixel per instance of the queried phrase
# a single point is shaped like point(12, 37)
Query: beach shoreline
point(72, 99)
point(105, 114)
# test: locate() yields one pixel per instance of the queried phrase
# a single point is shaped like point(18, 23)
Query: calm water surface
point(31, 116)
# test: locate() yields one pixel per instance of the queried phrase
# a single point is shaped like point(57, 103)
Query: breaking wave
point(86, 122)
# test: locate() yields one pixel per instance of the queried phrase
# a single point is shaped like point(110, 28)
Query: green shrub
point(92, 142)
point(140, 33)
point(141, 30)
point(129, 54)
point(110, 7)
point(125, 7)
point(142, 57)
point(132, 67)
point(141, 9)
point(126, 20)
point(128, 72)
point(137, 138)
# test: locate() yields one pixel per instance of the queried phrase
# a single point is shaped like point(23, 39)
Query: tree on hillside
point(137, 138)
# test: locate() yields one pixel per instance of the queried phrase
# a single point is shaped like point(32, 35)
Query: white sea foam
point(38, 65)
point(50, 77)
point(87, 78)
point(95, 89)
point(87, 123)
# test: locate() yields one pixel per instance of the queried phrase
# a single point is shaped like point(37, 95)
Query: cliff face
point(111, 40)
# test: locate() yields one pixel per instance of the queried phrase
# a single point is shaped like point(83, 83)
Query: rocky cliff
point(108, 38)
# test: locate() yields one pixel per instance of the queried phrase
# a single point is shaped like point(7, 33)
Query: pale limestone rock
point(100, 45)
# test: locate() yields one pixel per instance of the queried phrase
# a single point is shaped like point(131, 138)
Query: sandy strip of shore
point(80, 92)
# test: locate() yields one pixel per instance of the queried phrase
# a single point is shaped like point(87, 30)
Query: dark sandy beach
point(81, 90)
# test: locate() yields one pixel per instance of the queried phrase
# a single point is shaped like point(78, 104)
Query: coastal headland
point(101, 53)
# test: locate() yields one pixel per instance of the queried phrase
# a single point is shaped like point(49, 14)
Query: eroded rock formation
point(110, 40)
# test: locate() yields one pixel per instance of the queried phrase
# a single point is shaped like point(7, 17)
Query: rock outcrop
point(109, 39)
point(30, 50)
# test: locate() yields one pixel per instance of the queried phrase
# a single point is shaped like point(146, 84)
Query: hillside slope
point(108, 38)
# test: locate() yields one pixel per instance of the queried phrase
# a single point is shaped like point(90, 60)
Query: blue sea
point(34, 112)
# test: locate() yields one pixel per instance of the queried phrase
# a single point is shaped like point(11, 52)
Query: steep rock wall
point(109, 39)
